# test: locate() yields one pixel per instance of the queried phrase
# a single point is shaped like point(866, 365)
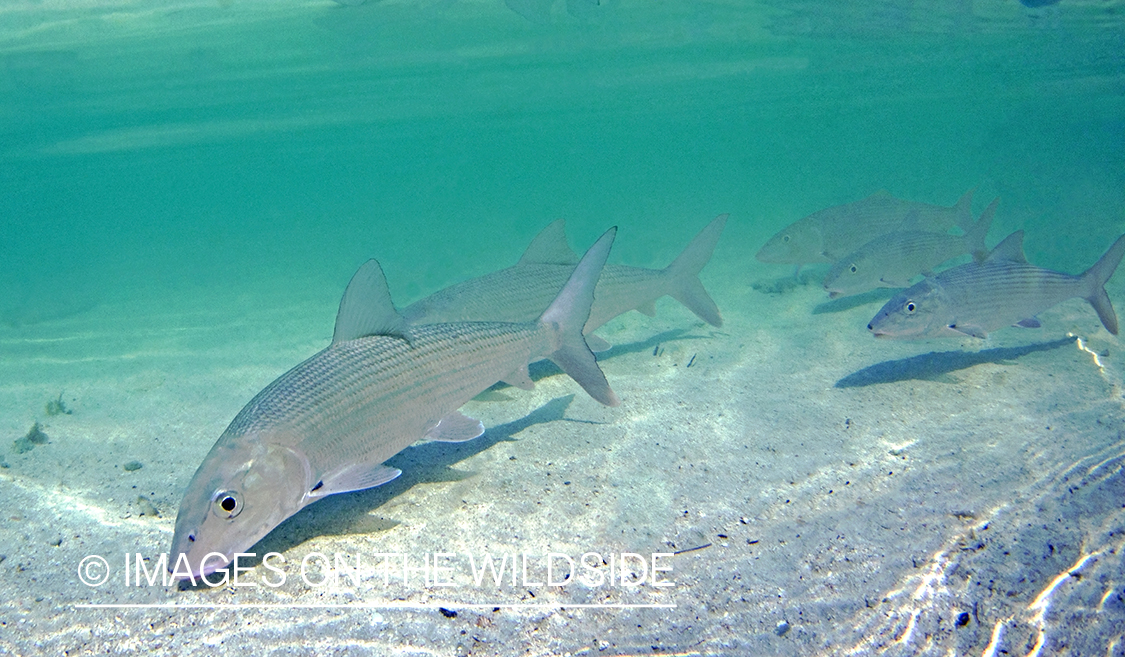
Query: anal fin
point(596, 344)
point(520, 379)
point(1030, 322)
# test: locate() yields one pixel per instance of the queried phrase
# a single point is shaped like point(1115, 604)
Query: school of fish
point(881, 241)
point(390, 378)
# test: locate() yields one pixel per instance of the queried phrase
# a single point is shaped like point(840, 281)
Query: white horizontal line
point(379, 605)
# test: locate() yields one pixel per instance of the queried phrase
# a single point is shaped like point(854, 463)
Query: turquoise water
point(196, 171)
point(191, 145)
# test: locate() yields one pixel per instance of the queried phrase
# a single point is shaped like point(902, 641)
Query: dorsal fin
point(549, 247)
point(913, 220)
point(1009, 250)
point(366, 307)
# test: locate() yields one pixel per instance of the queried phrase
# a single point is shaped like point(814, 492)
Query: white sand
point(863, 517)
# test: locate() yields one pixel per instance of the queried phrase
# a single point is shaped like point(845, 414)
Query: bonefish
point(521, 292)
point(830, 234)
point(975, 298)
point(893, 259)
point(327, 425)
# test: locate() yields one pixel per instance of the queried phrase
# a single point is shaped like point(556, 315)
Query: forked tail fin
point(963, 209)
point(683, 273)
point(1096, 278)
point(977, 232)
point(569, 312)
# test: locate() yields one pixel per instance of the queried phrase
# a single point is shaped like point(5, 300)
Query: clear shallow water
point(183, 184)
point(172, 145)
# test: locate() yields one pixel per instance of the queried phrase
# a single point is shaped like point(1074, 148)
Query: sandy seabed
point(845, 495)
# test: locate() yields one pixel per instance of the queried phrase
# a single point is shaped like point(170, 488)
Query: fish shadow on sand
point(935, 364)
point(423, 463)
point(46, 306)
point(855, 300)
point(777, 286)
point(545, 368)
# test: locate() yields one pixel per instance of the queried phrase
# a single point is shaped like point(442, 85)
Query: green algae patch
point(57, 407)
point(35, 436)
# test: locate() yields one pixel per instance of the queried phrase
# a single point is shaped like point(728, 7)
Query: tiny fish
point(979, 297)
point(892, 260)
point(830, 234)
point(520, 293)
point(327, 425)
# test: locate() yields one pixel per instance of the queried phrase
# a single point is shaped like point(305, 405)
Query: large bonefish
point(830, 234)
point(327, 425)
point(520, 293)
point(979, 297)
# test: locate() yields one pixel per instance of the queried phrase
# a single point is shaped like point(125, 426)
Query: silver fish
point(830, 234)
point(520, 293)
point(327, 425)
point(892, 260)
point(979, 297)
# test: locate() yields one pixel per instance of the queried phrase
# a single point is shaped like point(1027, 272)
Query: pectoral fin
point(968, 329)
point(888, 282)
point(354, 477)
point(455, 428)
point(1030, 322)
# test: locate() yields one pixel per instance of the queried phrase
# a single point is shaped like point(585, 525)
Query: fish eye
point(227, 504)
point(910, 306)
point(853, 268)
point(785, 238)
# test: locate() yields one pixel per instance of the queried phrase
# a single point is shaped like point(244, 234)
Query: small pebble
point(57, 542)
point(782, 628)
point(132, 466)
point(962, 619)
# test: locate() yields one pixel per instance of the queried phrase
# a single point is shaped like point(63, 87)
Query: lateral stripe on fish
point(975, 298)
point(327, 425)
point(520, 293)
